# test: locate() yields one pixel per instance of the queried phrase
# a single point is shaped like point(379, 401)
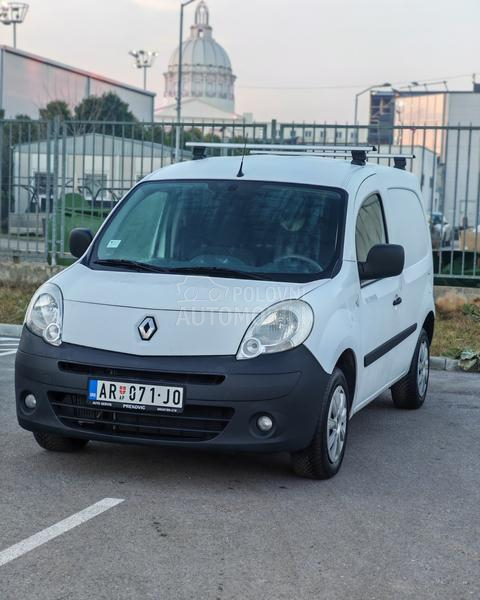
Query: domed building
point(207, 77)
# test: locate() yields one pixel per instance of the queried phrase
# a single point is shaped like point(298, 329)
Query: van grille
point(195, 423)
point(181, 378)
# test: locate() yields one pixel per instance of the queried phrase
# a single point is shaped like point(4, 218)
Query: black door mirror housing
point(80, 240)
point(383, 260)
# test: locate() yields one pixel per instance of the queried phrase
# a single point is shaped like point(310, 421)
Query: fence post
point(274, 131)
point(63, 189)
point(3, 218)
point(56, 135)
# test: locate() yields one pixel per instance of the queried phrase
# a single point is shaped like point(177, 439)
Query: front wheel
point(323, 457)
point(58, 443)
point(410, 392)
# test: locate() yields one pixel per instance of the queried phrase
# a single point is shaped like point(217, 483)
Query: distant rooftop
point(100, 145)
point(420, 92)
point(70, 69)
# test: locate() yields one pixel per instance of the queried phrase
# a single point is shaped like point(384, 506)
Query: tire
point(316, 461)
point(409, 393)
point(58, 443)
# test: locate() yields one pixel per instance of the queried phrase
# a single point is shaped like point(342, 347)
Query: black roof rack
point(199, 152)
point(359, 157)
point(359, 154)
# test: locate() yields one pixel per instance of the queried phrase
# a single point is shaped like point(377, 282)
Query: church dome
point(206, 67)
point(201, 51)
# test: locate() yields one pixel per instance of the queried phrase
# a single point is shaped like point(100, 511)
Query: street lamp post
point(143, 60)
point(13, 13)
point(180, 76)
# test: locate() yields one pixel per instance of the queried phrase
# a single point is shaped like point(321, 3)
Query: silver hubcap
point(337, 424)
point(422, 368)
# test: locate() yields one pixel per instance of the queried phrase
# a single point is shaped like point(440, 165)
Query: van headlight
point(281, 327)
point(45, 314)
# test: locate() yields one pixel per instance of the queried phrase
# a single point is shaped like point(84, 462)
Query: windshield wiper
point(220, 271)
point(133, 265)
point(136, 265)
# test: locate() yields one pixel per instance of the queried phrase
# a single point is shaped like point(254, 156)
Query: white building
point(207, 77)
point(29, 82)
point(453, 119)
point(98, 169)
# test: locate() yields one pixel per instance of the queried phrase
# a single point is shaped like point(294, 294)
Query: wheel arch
point(429, 325)
point(347, 362)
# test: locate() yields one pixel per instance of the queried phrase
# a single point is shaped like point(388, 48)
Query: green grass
point(455, 333)
point(14, 302)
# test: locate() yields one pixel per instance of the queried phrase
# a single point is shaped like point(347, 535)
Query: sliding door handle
point(397, 301)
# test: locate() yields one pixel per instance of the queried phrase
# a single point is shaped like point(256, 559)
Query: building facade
point(452, 120)
point(95, 168)
point(29, 82)
point(445, 123)
point(208, 82)
point(382, 117)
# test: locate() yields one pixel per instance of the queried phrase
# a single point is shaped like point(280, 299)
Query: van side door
point(377, 304)
point(408, 227)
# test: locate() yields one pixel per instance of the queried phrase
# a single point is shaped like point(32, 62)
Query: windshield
point(279, 231)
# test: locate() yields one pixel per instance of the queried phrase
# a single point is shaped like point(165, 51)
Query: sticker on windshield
point(114, 243)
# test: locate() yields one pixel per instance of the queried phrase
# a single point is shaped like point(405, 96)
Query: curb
point(441, 363)
point(437, 363)
point(10, 330)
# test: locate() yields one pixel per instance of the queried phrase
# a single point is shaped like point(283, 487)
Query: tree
point(56, 108)
point(107, 108)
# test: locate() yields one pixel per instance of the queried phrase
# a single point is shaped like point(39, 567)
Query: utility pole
point(180, 77)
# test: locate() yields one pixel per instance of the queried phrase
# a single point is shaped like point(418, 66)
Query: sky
point(295, 60)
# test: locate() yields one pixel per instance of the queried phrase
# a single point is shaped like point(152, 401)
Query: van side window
point(410, 233)
point(370, 228)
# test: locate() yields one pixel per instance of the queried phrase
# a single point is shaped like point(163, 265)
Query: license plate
point(135, 396)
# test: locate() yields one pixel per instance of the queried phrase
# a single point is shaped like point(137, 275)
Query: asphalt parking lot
point(400, 521)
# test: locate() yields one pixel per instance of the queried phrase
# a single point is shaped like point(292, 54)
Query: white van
point(253, 306)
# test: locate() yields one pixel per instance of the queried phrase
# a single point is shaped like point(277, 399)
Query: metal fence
point(56, 175)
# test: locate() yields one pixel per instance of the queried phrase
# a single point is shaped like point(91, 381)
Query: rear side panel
point(408, 227)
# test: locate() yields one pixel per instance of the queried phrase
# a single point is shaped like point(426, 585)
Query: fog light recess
point(264, 423)
point(30, 401)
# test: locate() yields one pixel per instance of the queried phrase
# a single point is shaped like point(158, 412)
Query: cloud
point(159, 5)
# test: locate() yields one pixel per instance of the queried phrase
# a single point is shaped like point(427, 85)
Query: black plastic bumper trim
point(390, 344)
point(288, 386)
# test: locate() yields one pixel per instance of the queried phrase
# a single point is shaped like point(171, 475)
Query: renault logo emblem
point(147, 328)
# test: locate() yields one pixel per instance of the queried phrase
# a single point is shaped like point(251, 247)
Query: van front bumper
point(223, 396)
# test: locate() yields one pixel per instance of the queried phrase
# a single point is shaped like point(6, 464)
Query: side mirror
point(80, 240)
point(383, 260)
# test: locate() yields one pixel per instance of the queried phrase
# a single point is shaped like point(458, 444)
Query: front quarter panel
point(335, 328)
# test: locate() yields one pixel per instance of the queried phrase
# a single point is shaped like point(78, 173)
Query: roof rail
point(359, 154)
point(332, 154)
point(358, 157)
point(280, 147)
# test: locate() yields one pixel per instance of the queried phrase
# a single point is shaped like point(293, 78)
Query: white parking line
point(44, 536)
point(8, 346)
point(11, 343)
